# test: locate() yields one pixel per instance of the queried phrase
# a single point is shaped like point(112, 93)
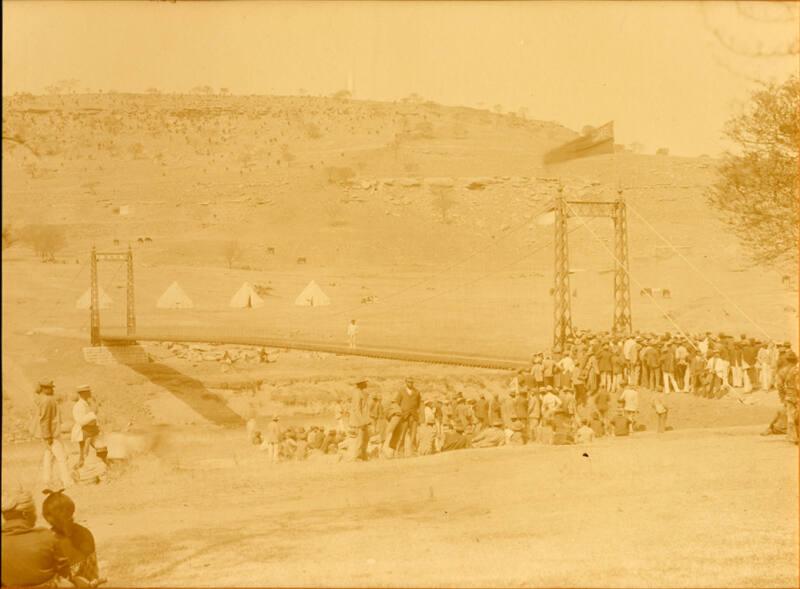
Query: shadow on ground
point(189, 390)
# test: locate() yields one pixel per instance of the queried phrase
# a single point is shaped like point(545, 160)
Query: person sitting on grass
point(584, 435)
point(620, 424)
point(598, 425)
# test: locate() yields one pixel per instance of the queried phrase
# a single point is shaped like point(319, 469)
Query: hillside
point(430, 210)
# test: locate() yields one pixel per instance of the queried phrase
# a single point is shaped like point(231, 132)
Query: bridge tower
point(130, 314)
point(562, 309)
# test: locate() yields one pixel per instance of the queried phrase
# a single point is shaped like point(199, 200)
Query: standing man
point(48, 426)
point(359, 422)
point(272, 440)
point(85, 429)
point(409, 401)
point(630, 403)
point(352, 331)
point(482, 411)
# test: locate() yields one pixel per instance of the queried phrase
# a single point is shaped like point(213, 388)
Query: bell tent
point(174, 298)
point(246, 298)
point(312, 296)
point(85, 301)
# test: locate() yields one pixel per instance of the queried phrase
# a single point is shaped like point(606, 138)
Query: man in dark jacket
point(31, 556)
point(409, 401)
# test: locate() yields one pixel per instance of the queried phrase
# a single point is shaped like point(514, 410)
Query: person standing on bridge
point(352, 331)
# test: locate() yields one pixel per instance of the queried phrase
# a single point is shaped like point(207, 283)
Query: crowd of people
point(588, 390)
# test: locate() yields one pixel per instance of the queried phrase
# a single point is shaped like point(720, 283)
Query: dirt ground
point(690, 508)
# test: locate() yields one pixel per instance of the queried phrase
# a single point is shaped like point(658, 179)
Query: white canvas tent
point(86, 299)
point(246, 298)
point(174, 298)
point(312, 296)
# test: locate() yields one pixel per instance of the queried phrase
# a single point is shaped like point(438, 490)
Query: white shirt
point(81, 415)
point(631, 399)
point(550, 402)
point(567, 364)
point(626, 348)
point(352, 329)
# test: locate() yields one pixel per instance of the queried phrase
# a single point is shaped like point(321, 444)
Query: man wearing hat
point(359, 422)
point(31, 556)
point(48, 426)
point(272, 439)
point(409, 401)
point(85, 429)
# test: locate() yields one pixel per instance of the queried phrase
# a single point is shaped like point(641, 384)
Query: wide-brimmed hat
point(84, 388)
point(46, 383)
point(361, 383)
point(17, 499)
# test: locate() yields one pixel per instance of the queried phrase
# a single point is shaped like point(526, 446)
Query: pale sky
point(656, 68)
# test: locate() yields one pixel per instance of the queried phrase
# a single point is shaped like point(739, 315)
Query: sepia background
point(396, 148)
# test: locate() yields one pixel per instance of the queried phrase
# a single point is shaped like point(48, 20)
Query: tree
point(443, 200)
point(44, 240)
point(342, 95)
point(231, 250)
point(757, 190)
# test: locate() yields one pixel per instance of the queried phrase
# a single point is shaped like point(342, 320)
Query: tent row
point(244, 298)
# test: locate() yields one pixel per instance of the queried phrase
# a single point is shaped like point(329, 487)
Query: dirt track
point(690, 508)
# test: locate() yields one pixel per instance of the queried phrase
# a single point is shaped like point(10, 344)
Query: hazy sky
point(656, 68)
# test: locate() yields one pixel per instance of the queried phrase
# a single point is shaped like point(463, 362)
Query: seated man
point(562, 428)
point(454, 439)
point(620, 425)
point(517, 438)
point(75, 541)
point(31, 556)
point(426, 436)
point(584, 435)
point(597, 424)
point(490, 437)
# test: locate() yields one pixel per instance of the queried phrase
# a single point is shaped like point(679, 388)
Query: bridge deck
point(428, 357)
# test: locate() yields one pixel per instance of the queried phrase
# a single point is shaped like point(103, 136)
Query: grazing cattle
point(666, 294)
point(116, 242)
point(786, 279)
point(646, 292)
point(271, 251)
point(147, 239)
point(301, 260)
point(140, 240)
point(369, 299)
